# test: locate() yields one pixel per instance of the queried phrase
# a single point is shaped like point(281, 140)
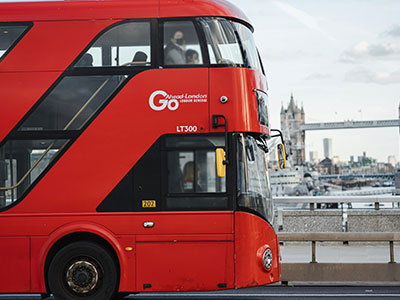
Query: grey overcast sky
point(341, 61)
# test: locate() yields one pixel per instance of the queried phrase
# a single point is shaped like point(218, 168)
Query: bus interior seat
point(140, 58)
point(85, 61)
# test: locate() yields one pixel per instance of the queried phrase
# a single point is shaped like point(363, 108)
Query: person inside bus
point(189, 184)
point(85, 61)
point(175, 50)
point(192, 57)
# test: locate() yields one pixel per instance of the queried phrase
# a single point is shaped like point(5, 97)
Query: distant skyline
point(340, 61)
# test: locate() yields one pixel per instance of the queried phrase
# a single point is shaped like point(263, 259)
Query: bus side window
point(124, 45)
point(181, 44)
point(22, 162)
point(9, 36)
point(193, 172)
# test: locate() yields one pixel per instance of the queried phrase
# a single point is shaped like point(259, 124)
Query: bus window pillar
point(23, 158)
point(106, 56)
point(3, 177)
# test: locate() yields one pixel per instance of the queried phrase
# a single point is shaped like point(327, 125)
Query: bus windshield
point(249, 47)
point(230, 43)
point(253, 180)
point(222, 41)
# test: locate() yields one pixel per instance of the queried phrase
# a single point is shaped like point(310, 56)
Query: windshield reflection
point(253, 180)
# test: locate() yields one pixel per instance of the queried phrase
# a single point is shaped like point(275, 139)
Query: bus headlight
point(267, 259)
point(265, 256)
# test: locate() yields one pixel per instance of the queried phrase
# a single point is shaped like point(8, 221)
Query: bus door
point(189, 244)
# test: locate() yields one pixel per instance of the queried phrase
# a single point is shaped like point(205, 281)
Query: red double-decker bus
point(133, 149)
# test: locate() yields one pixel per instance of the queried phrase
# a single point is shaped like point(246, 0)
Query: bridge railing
point(350, 124)
point(376, 200)
point(341, 272)
point(315, 237)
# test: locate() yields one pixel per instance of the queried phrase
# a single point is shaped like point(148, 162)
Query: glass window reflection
point(72, 103)
point(124, 45)
point(193, 172)
point(181, 44)
point(9, 34)
point(222, 41)
point(249, 47)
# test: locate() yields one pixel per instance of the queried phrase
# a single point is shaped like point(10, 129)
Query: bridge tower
point(291, 120)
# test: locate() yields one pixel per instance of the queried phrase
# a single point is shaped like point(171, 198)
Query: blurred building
point(326, 166)
point(336, 160)
point(314, 157)
point(392, 160)
point(327, 147)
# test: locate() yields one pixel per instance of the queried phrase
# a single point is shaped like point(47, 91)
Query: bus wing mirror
point(281, 156)
point(220, 161)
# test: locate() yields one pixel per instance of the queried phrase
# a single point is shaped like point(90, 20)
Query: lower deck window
point(21, 163)
point(192, 176)
point(193, 172)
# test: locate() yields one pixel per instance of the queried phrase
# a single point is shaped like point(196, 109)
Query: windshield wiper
point(262, 143)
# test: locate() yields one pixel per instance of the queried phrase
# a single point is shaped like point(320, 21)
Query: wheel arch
point(73, 232)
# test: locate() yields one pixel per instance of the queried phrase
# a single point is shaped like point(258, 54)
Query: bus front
point(239, 101)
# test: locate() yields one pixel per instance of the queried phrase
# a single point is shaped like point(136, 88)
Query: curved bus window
point(181, 44)
point(21, 163)
point(9, 35)
point(71, 104)
point(50, 126)
point(222, 41)
point(254, 192)
point(249, 47)
point(127, 44)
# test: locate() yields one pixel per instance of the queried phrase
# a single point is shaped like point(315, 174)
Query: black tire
point(83, 270)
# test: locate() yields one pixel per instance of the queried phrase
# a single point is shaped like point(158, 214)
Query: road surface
point(270, 293)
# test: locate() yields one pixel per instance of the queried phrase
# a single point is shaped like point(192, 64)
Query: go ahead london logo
point(161, 100)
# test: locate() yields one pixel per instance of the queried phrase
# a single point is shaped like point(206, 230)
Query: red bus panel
point(237, 84)
point(185, 265)
point(15, 264)
point(19, 92)
point(251, 234)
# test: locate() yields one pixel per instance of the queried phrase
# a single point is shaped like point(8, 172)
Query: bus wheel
point(83, 270)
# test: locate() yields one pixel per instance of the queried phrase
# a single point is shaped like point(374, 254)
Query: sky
point(340, 59)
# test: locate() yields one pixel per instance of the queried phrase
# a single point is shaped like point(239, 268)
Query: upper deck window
point(127, 44)
point(181, 44)
point(222, 41)
point(72, 103)
point(249, 47)
point(9, 35)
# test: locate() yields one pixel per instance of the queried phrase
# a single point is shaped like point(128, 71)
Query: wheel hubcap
point(82, 277)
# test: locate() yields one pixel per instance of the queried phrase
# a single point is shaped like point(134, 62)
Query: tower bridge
point(350, 125)
point(293, 126)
